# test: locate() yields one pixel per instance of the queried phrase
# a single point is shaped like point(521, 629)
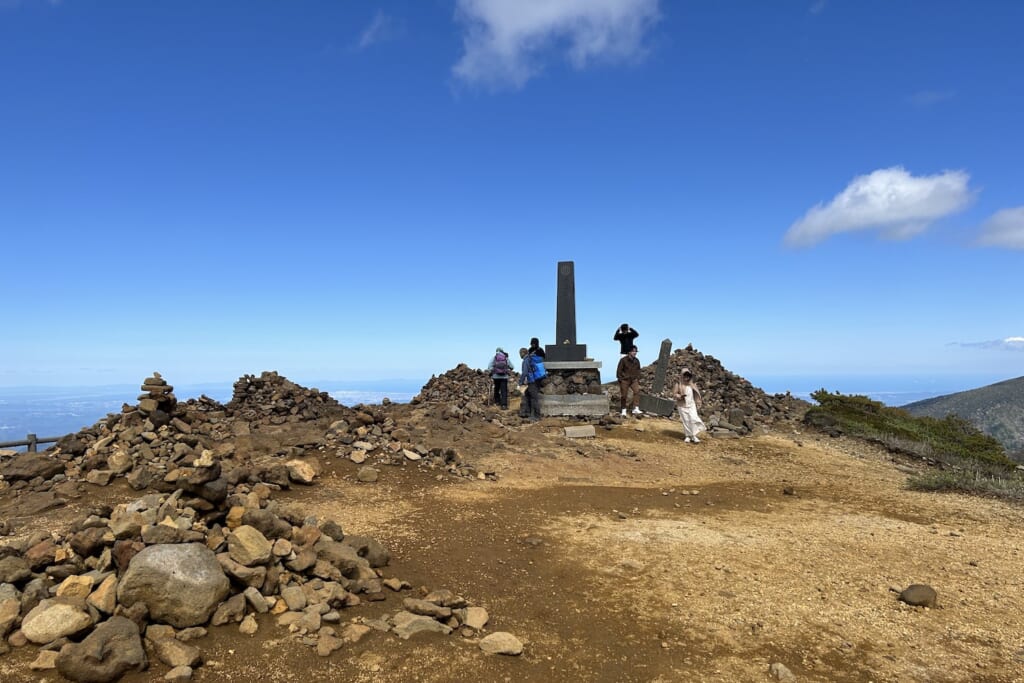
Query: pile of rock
point(371, 438)
point(142, 580)
point(271, 399)
point(731, 403)
point(148, 442)
point(462, 385)
point(183, 563)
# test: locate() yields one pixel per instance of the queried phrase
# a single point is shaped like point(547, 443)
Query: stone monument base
point(573, 389)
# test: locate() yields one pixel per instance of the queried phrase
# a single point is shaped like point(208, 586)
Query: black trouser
point(501, 392)
point(530, 406)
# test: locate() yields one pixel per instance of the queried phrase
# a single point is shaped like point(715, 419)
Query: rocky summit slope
point(282, 536)
point(996, 409)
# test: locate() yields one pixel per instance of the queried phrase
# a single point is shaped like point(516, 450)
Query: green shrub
point(970, 480)
point(949, 437)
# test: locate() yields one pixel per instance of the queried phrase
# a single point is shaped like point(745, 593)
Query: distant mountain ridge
point(996, 409)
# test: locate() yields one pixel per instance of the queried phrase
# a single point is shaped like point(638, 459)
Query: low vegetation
point(966, 459)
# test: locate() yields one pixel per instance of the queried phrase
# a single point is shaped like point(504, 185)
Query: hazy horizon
point(55, 411)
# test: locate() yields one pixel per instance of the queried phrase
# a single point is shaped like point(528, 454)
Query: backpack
point(500, 364)
point(537, 369)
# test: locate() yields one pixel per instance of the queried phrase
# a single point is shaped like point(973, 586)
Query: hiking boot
point(696, 440)
point(623, 412)
point(687, 440)
point(637, 411)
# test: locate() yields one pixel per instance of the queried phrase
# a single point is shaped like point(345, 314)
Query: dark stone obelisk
point(654, 403)
point(565, 347)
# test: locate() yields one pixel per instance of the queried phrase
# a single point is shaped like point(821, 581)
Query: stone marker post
point(573, 386)
point(662, 368)
point(565, 347)
point(656, 404)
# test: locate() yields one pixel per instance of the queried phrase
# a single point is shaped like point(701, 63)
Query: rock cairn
point(271, 399)
point(463, 393)
point(157, 402)
point(143, 443)
point(148, 442)
point(459, 386)
point(731, 403)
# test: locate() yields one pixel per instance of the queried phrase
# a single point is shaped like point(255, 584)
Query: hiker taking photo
point(625, 335)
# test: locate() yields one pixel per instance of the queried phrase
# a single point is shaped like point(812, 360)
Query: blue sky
point(359, 190)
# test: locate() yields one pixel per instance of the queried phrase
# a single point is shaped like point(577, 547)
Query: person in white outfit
point(688, 400)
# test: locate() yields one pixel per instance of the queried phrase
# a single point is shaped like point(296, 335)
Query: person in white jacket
point(688, 400)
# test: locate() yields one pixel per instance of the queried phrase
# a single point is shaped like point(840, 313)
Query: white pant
point(692, 424)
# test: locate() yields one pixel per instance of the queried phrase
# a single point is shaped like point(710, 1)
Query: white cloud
point(1008, 344)
point(817, 7)
point(1004, 229)
point(890, 200)
point(381, 28)
point(505, 40)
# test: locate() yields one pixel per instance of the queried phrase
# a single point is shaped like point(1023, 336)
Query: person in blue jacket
point(530, 407)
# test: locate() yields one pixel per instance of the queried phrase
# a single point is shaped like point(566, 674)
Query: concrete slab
point(581, 432)
point(589, 405)
point(572, 364)
point(656, 405)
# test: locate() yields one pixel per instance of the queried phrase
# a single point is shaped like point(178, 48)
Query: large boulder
point(181, 584)
point(28, 466)
point(110, 651)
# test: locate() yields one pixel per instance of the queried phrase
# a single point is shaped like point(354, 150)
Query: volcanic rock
point(180, 584)
point(501, 643)
point(54, 618)
point(28, 466)
point(111, 650)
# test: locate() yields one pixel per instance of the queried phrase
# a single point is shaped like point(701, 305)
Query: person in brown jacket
point(628, 374)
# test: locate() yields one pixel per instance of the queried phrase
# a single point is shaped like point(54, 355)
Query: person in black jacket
point(535, 347)
point(625, 335)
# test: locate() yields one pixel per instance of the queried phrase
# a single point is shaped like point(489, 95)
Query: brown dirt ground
point(635, 557)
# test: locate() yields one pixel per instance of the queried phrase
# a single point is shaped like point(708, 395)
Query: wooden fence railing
point(31, 440)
